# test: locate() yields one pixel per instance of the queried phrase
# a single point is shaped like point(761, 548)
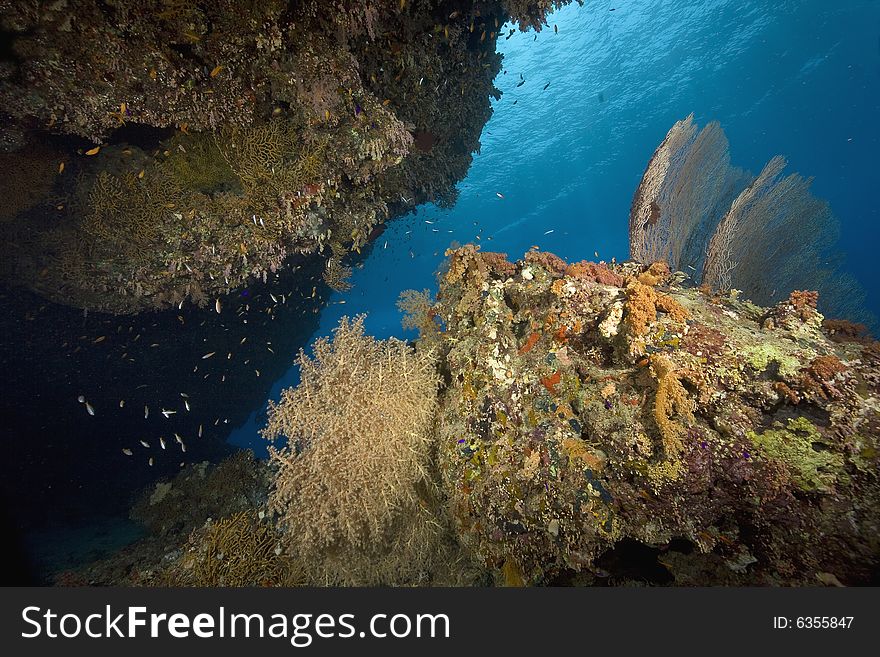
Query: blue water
point(798, 78)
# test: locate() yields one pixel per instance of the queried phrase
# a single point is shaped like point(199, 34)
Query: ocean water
point(799, 78)
point(558, 168)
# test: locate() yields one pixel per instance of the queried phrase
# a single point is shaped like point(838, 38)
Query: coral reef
point(205, 527)
point(589, 424)
point(582, 416)
point(205, 142)
point(202, 491)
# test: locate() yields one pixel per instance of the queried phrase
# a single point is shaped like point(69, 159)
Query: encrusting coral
point(581, 414)
point(273, 130)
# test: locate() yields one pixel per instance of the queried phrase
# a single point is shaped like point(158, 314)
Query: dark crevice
point(145, 137)
point(7, 45)
point(628, 561)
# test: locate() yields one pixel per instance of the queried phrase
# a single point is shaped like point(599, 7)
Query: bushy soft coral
point(818, 377)
point(642, 304)
point(656, 273)
point(594, 272)
point(671, 401)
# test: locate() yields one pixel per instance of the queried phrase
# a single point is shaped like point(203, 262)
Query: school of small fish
point(241, 312)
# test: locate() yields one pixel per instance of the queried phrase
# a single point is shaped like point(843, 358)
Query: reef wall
point(159, 151)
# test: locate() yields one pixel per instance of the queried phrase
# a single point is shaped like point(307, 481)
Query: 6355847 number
point(813, 622)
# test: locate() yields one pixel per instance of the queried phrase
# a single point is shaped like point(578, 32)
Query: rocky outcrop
point(591, 406)
point(160, 152)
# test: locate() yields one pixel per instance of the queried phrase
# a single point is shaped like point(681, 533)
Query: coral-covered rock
point(204, 143)
point(583, 415)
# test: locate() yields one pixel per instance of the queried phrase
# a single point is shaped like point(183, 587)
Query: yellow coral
point(671, 400)
point(196, 163)
point(255, 153)
point(418, 313)
point(578, 451)
point(337, 275)
point(655, 274)
point(642, 304)
point(353, 489)
point(127, 211)
point(239, 550)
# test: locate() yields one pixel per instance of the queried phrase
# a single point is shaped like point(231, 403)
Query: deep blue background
point(798, 78)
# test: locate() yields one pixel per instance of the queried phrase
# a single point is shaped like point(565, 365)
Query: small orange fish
point(61, 168)
point(141, 174)
point(216, 70)
point(386, 102)
point(93, 151)
point(152, 74)
point(184, 128)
